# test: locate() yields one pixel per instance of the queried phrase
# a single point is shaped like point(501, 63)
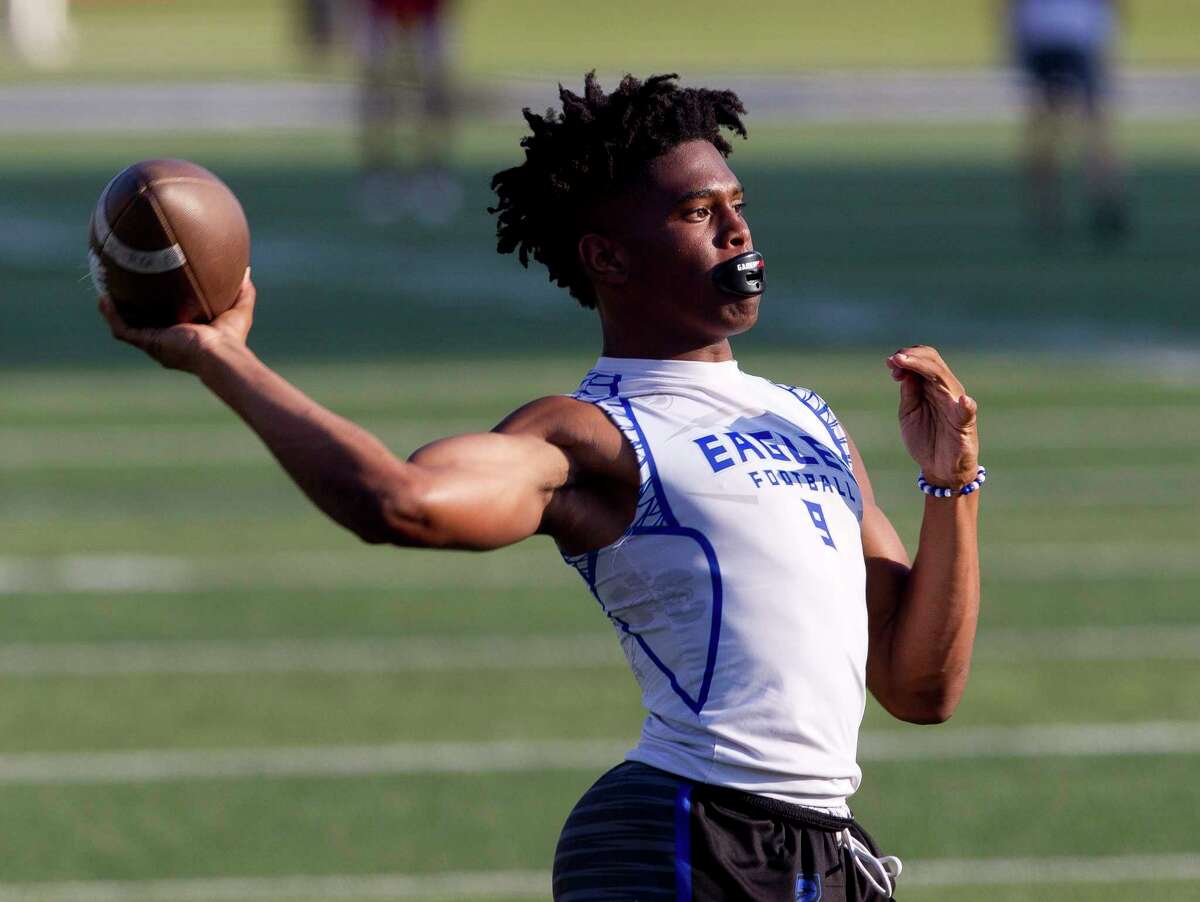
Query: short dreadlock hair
point(599, 145)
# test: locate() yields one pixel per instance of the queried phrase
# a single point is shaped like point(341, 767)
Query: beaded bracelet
point(938, 491)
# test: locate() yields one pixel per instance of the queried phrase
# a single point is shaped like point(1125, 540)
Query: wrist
point(964, 473)
point(218, 358)
point(943, 490)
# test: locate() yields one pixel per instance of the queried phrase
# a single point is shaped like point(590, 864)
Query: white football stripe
point(129, 258)
point(509, 756)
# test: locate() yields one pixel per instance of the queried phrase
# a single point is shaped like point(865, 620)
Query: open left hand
point(937, 417)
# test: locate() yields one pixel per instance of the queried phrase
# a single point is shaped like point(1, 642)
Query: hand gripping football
point(169, 243)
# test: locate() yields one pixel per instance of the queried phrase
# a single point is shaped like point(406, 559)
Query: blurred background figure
point(1064, 48)
point(40, 31)
point(406, 91)
point(317, 21)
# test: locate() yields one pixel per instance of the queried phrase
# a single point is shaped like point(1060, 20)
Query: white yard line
point(1110, 869)
point(465, 885)
point(310, 656)
point(496, 652)
point(299, 570)
point(1046, 740)
point(130, 573)
point(160, 765)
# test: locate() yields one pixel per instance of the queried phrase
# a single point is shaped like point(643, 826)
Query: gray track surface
point(976, 95)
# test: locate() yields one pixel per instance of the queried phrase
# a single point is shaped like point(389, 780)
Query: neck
point(640, 342)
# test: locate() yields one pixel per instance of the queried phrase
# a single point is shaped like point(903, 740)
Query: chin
point(742, 314)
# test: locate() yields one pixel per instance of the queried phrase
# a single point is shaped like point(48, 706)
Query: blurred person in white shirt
point(40, 31)
point(1064, 49)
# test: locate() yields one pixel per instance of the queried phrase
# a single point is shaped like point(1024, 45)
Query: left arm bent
point(922, 616)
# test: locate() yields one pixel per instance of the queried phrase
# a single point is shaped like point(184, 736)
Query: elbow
point(927, 716)
point(925, 708)
point(400, 516)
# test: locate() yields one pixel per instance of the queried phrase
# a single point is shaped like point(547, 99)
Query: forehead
point(687, 167)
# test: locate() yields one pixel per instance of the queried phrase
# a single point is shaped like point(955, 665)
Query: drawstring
point(886, 868)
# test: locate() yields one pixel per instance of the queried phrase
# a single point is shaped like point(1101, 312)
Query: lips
point(743, 275)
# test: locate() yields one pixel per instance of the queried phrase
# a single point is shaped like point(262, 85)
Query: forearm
point(933, 631)
point(348, 473)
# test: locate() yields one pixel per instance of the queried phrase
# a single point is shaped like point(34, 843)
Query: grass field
point(257, 38)
point(206, 690)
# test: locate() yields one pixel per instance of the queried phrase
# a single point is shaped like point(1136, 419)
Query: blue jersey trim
point(672, 527)
point(823, 412)
point(652, 517)
point(667, 516)
point(683, 843)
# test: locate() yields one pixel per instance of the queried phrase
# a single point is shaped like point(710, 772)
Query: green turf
point(226, 38)
point(425, 825)
point(186, 711)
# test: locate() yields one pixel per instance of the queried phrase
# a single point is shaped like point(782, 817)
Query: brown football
point(168, 243)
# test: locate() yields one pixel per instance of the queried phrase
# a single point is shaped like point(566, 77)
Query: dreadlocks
point(597, 146)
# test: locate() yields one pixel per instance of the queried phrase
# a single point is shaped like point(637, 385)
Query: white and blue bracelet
point(938, 491)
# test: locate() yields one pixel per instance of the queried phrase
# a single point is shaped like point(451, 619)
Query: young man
point(725, 523)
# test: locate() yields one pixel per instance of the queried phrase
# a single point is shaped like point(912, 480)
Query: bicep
point(887, 568)
point(880, 540)
point(481, 491)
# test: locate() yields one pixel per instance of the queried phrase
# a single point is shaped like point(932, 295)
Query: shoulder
point(579, 428)
point(598, 500)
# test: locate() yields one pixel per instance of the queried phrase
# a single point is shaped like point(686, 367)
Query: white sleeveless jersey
point(738, 592)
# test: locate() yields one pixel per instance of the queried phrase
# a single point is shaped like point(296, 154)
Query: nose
point(734, 231)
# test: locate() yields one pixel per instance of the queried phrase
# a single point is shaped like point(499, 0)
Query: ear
point(603, 259)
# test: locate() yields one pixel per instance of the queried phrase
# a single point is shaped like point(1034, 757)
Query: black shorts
point(643, 835)
point(1058, 73)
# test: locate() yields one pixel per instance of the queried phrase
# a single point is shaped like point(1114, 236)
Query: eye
point(698, 214)
point(740, 207)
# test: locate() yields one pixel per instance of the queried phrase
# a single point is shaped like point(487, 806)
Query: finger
point(139, 338)
point(931, 368)
point(109, 311)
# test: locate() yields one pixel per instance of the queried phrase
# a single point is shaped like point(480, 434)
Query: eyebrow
point(705, 193)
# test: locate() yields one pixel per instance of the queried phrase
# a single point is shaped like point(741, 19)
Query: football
point(169, 243)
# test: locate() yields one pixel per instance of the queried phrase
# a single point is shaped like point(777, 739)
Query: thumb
point(967, 409)
point(247, 294)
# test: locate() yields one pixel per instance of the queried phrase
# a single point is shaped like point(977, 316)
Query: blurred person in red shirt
point(406, 75)
point(1064, 49)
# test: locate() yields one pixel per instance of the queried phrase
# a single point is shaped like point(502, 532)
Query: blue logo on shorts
point(808, 888)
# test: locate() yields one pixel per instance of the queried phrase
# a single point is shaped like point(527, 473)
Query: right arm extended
point(471, 491)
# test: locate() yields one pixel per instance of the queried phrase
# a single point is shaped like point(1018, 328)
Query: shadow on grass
point(857, 253)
